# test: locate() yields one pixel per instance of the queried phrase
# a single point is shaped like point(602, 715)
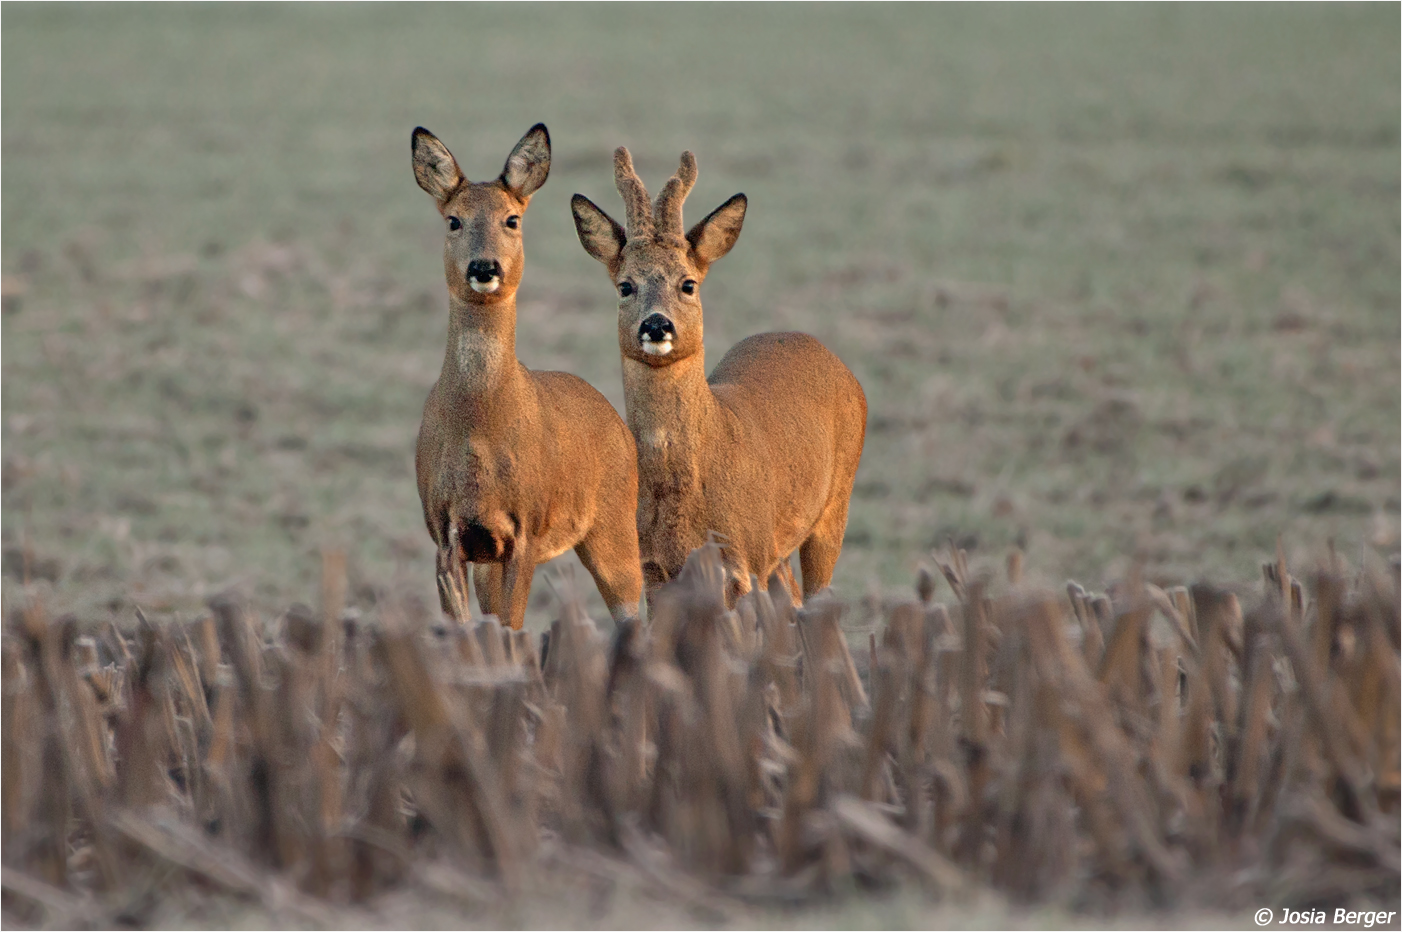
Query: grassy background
point(1117, 281)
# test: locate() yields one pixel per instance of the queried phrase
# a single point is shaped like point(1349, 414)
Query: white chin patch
point(657, 349)
point(485, 287)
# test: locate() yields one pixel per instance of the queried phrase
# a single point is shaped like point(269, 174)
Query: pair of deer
point(516, 466)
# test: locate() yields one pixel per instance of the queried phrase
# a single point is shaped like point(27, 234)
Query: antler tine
point(667, 213)
point(630, 188)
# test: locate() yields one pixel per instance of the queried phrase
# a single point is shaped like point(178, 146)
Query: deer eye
point(625, 288)
point(513, 222)
point(689, 287)
point(454, 224)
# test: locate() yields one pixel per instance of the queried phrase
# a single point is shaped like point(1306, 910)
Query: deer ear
point(435, 169)
point(599, 234)
point(529, 163)
point(712, 237)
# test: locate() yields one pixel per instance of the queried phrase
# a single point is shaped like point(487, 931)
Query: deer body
point(765, 451)
point(514, 466)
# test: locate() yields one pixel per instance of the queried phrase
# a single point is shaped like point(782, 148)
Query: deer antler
point(635, 199)
point(667, 212)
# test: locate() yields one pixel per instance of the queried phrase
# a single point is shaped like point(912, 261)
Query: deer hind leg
point(818, 554)
point(611, 557)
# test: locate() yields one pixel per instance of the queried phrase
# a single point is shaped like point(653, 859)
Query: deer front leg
point(487, 577)
point(452, 577)
point(785, 572)
point(516, 584)
point(610, 554)
point(737, 581)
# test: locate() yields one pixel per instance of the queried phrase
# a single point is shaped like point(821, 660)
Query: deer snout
point(484, 275)
point(656, 334)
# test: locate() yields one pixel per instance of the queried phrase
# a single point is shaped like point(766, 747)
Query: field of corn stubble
point(1105, 753)
point(1121, 284)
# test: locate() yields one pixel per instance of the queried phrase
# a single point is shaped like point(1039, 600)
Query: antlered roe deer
point(765, 451)
point(514, 466)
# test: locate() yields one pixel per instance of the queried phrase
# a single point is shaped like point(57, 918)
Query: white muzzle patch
point(488, 287)
point(659, 348)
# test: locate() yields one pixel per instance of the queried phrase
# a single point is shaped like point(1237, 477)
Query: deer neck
point(480, 360)
point(670, 411)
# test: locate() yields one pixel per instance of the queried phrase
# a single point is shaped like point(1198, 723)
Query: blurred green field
point(1119, 282)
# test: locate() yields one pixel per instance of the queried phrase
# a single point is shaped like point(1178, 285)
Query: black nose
point(484, 270)
point(656, 329)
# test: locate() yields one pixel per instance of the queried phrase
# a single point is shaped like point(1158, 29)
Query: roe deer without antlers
point(765, 451)
point(514, 466)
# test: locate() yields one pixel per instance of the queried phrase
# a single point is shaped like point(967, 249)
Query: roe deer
point(514, 466)
point(765, 451)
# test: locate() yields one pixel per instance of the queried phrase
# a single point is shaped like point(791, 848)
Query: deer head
point(657, 269)
point(482, 255)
